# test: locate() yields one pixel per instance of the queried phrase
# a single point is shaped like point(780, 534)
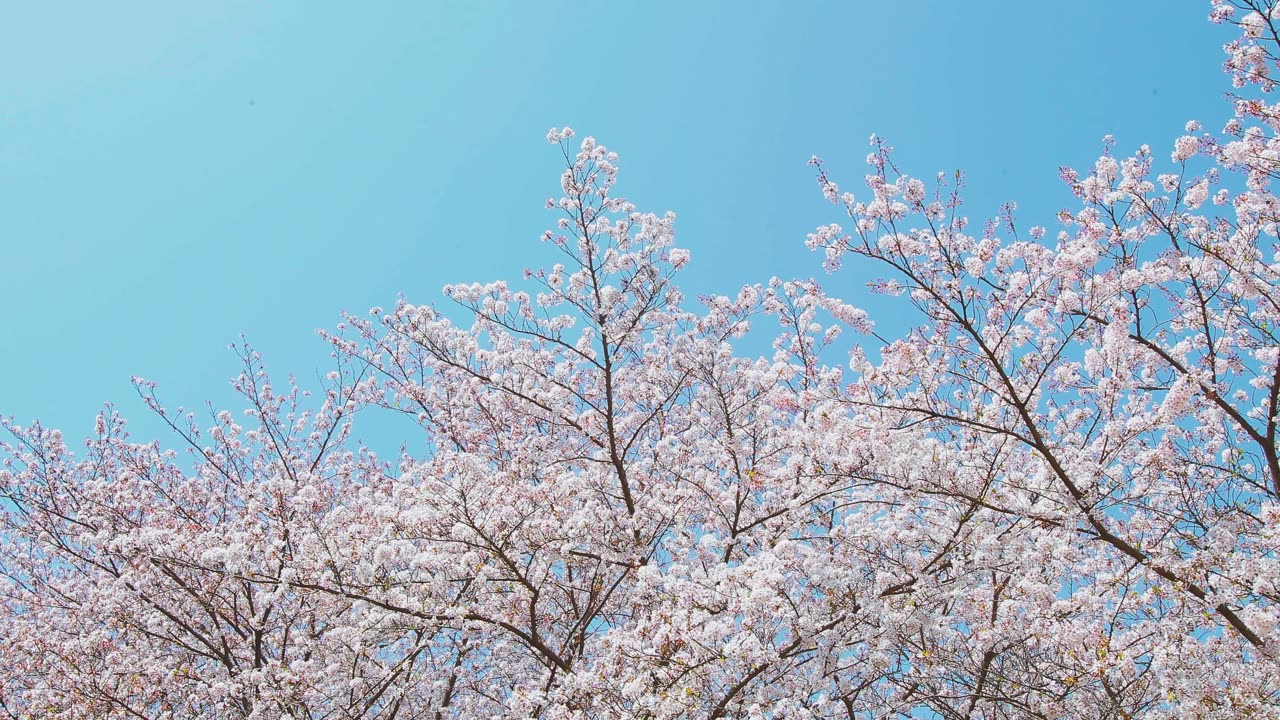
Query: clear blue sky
point(175, 174)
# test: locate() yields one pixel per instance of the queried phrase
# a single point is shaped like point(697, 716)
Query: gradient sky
point(175, 174)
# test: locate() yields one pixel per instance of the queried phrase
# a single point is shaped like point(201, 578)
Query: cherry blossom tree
point(1110, 395)
point(1057, 497)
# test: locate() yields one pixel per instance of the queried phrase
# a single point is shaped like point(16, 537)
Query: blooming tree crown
point(1055, 497)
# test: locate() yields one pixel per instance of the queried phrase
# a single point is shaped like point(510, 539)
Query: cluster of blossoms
point(1057, 496)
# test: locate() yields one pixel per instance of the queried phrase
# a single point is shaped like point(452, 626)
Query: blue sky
point(175, 174)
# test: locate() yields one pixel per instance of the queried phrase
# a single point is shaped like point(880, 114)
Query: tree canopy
point(1056, 495)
